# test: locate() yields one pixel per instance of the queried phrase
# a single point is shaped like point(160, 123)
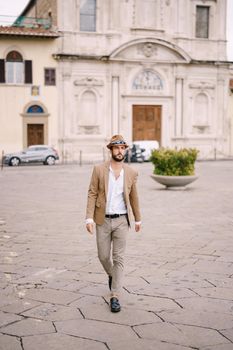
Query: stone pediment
point(150, 50)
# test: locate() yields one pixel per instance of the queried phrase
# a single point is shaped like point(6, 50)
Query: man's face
point(118, 153)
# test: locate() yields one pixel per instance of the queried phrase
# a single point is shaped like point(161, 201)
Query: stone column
point(179, 108)
point(115, 105)
point(181, 14)
point(114, 15)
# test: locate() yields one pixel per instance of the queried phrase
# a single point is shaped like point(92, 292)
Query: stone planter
point(174, 181)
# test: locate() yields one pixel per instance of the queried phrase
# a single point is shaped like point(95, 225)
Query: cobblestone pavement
point(178, 285)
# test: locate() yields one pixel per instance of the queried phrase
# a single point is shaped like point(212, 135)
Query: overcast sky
point(15, 7)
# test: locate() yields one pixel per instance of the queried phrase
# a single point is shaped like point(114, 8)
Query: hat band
point(118, 143)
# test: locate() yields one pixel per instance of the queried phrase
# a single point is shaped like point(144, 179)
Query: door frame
point(126, 121)
point(28, 126)
point(160, 117)
point(34, 120)
point(37, 118)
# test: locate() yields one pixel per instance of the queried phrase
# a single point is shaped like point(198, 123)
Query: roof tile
point(23, 31)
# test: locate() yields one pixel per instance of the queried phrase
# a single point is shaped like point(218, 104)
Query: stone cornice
point(74, 57)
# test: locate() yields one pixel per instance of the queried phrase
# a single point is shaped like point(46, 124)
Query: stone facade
point(139, 55)
point(143, 53)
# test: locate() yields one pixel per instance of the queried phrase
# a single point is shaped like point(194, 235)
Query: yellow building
point(28, 91)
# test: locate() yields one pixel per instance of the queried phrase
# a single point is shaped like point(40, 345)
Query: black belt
point(113, 216)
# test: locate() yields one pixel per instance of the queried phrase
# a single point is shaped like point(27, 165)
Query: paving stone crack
point(26, 310)
point(193, 291)
point(11, 323)
point(137, 334)
point(92, 339)
point(107, 346)
point(194, 325)
point(107, 302)
point(126, 290)
point(142, 324)
point(72, 301)
point(54, 326)
point(153, 312)
point(154, 296)
point(176, 302)
point(183, 346)
point(224, 336)
point(115, 323)
point(212, 284)
point(144, 279)
point(81, 313)
point(21, 343)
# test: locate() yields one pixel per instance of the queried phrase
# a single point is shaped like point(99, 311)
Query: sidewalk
point(178, 285)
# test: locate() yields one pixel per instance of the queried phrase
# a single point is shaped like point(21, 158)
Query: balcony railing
point(26, 22)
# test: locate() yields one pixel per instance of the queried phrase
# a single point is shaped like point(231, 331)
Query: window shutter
point(50, 76)
point(2, 71)
point(53, 77)
point(28, 72)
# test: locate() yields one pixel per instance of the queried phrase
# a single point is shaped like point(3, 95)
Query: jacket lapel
point(106, 177)
point(125, 181)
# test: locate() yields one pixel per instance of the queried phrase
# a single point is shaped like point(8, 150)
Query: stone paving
point(178, 285)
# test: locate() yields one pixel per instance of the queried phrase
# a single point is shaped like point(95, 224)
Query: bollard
point(80, 158)
point(129, 155)
point(215, 154)
point(2, 160)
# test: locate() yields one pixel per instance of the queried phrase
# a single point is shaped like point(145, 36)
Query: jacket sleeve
point(134, 202)
point(92, 194)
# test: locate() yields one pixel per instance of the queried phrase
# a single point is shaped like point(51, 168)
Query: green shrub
point(172, 162)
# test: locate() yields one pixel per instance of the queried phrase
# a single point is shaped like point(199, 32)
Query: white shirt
point(115, 198)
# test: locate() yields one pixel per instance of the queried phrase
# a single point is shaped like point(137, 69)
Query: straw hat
point(117, 140)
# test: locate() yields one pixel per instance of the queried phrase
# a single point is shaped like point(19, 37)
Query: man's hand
point(90, 228)
point(137, 227)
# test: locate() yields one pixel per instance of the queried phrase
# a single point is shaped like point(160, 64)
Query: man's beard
point(118, 159)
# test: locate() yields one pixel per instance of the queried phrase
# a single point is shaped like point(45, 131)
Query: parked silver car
point(33, 154)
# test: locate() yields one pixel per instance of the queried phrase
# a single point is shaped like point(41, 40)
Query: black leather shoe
point(110, 282)
point(115, 305)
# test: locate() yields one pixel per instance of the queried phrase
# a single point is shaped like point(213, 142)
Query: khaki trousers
point(111, 238)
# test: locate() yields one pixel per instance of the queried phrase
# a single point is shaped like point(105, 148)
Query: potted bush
point(174, 167)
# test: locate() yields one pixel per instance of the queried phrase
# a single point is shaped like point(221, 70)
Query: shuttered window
point(14, 70)
point(202, 22)
point(50, 76)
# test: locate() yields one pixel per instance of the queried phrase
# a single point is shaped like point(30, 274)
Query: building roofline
point(28, 7)
point(28, 32)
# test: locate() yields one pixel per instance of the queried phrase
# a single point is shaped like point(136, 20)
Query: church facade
point(147, 69)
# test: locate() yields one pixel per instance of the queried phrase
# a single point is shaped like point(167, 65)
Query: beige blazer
point(98, 190)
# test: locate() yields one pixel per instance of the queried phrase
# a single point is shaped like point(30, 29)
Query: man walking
point(111, 196)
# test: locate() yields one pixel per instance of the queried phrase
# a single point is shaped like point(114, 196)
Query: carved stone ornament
point(89, 129)
point(147, 80)
point(88, 81)
point(148, 49)
point(202, 86)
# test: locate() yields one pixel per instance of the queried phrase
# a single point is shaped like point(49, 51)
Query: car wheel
point(50, 160)
point(14, 161)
